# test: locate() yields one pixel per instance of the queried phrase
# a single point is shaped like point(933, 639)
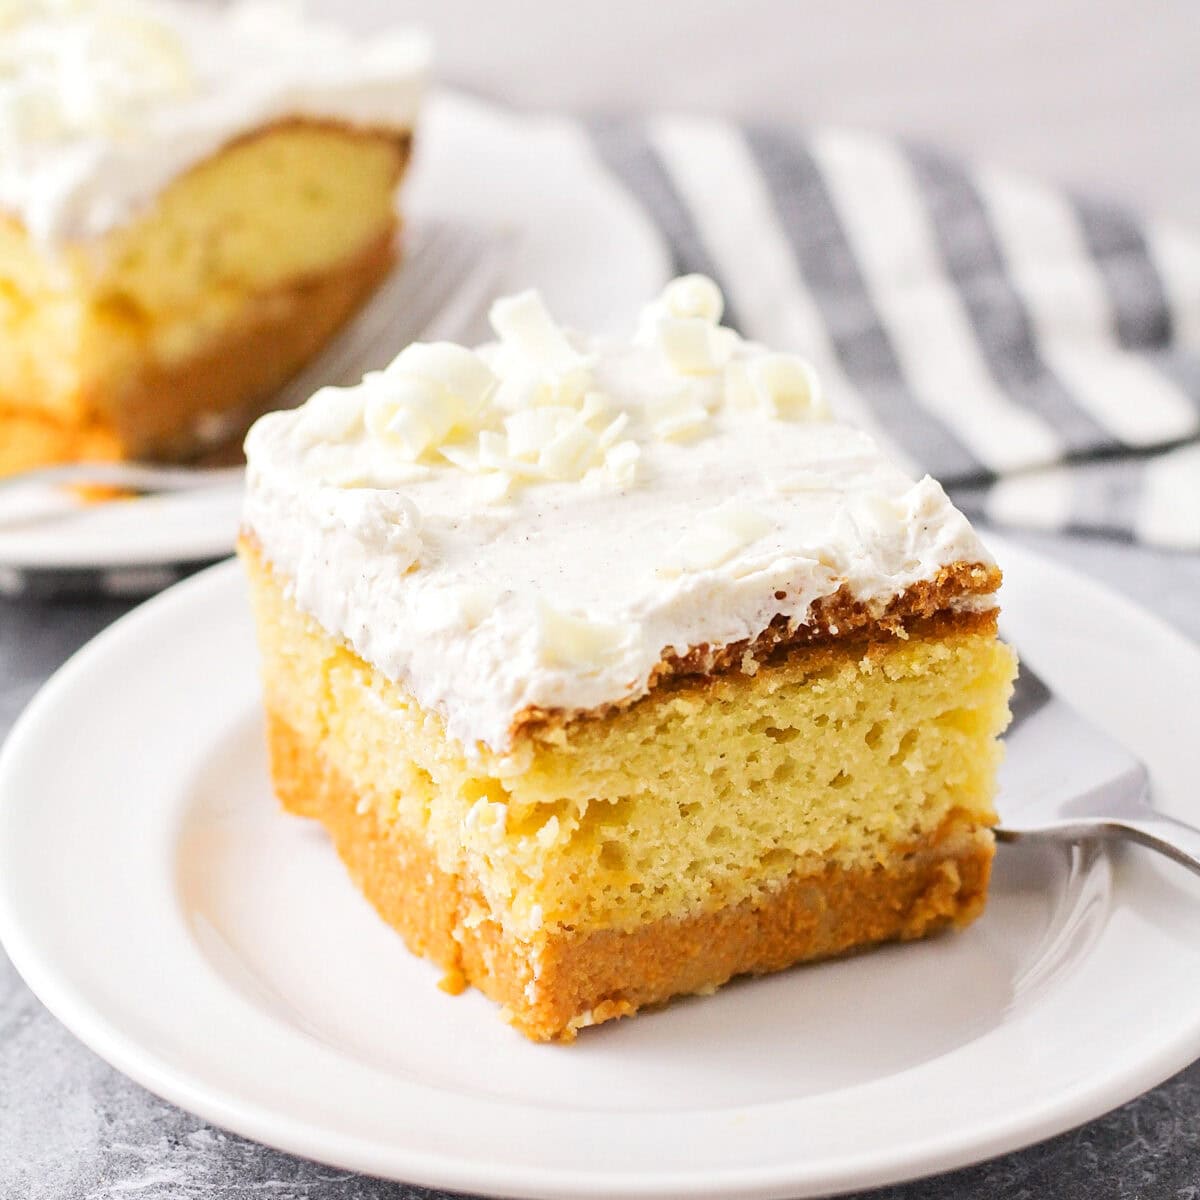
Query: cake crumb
point(454, 982)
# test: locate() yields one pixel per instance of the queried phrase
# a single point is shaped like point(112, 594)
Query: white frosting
point(515, 527)
point(104, 102)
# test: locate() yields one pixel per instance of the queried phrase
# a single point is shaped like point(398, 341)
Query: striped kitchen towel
point(1036, 351)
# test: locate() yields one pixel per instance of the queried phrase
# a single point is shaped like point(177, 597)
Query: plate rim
point(1064, 1109)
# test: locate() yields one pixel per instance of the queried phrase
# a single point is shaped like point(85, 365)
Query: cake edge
point(232, 379)
point(923, 610)
point(837, 621)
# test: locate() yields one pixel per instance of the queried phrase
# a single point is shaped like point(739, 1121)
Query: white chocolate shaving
point(718, 536)
point(572, 641)
point(691, 345)
point(530, 430)
point(621, 463)
point(786, 386)
point(677, 416)
point(524, 325)
point(411, 415)
point(458, 372)
point(441, 402)
point(331, 415)
point(683, 323)
point(694, 296)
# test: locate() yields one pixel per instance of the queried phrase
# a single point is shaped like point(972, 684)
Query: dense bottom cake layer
point(553, 984)
point(208, 397)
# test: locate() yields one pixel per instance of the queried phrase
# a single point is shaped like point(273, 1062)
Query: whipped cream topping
point(104, 102)
point(537, 522)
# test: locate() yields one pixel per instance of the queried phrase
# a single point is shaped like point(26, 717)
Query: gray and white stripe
point(629, 154)
point(825, 255)
point(1038, 352)
point(754, 258)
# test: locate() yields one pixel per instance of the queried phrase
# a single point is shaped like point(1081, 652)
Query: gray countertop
point(72, 1128)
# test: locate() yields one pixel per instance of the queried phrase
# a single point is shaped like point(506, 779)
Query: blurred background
point(1104, 95)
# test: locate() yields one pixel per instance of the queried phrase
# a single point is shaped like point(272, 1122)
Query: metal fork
point(128, 476)
point(441, 291)
point(1064, 779)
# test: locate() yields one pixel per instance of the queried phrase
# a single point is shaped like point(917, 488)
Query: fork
point(145, 478)
point(1064, 779)
point(448, 277)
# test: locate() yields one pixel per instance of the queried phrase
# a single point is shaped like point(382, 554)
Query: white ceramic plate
point(213, 948)
point(476, 165)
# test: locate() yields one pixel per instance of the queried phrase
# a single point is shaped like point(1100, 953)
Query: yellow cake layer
point(698, 797)
point(225, 250)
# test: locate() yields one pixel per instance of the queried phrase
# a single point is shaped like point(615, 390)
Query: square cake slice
point(192, 200)
point(616, 669)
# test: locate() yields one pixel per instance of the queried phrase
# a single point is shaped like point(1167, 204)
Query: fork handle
point(1176, 839)
point(132, 476)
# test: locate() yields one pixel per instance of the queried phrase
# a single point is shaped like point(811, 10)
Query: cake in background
point(619, 668)
point(192, 199)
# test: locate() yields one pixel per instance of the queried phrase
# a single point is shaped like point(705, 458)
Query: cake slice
point(192, 200)
point(618, 669)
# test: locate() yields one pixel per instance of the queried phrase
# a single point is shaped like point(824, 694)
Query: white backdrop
point(1099, 93)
